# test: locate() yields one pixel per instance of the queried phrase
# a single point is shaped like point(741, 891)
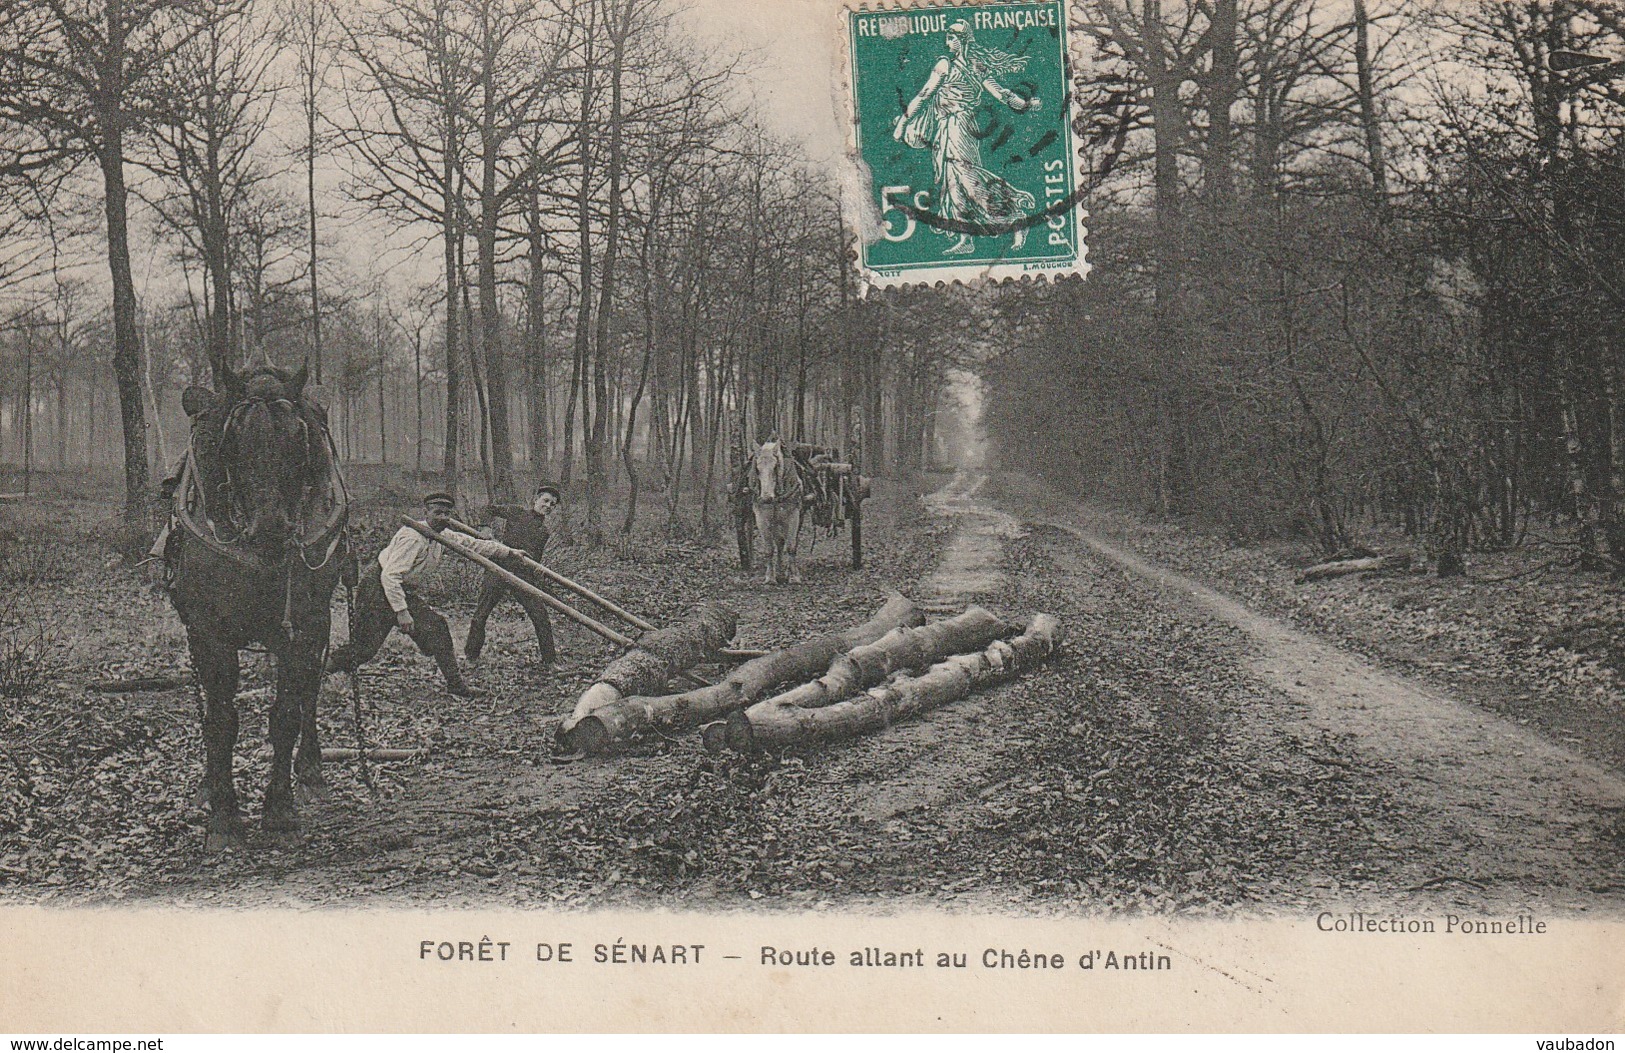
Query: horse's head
point(263, 446)
point(767, 470)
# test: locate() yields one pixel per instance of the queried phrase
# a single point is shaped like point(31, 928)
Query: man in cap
point(526, 531)
point(388, 597)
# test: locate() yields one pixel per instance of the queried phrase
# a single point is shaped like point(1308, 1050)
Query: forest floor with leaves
point(1179, 755)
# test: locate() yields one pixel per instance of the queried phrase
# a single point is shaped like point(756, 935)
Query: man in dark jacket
point(526, 531)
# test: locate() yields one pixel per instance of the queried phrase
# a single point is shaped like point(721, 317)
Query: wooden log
point(622, 720)
point(903, 648)
point(521, 584)
point(376, 753)
point(774, 725)
point(338, 753)
point(1342, 567)
point(141, 683)
point(655, 660)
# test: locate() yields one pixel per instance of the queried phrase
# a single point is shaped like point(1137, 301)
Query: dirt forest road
point(1473, 803)
point(1436, 801)
point(1183, 754)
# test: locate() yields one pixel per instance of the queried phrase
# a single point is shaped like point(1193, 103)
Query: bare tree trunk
point(90, 417)
point(217, 286)
point(162, 444)
point(1615, 519)
point(495, 388)
point(383, 372)
point(1219, 165)
point(626, 440)
point(28, 411)
point(583, 337)
point(482, 408)
point(1369, 120)
point(1168, 119)
point(126, 340)
point(310, 57)
point(536, 342)
point(1587, 508)
point(620, 27)
point(62, 417)
point(417, 394)
point(451, 465)
point(577, 363)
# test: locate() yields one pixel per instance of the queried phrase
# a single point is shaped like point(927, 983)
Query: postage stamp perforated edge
point(863, 215)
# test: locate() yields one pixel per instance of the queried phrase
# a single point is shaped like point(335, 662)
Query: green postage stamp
point(962, 123)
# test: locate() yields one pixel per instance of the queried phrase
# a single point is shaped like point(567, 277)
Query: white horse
point(776, 496)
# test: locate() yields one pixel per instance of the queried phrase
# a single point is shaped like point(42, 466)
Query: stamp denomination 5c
point(962, 120)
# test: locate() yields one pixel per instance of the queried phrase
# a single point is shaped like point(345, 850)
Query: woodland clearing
point(1183, 754)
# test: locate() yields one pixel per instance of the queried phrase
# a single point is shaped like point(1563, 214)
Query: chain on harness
point(350, 577)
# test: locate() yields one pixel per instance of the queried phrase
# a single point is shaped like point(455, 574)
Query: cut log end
point(1047, 627)
point(714, 736)
point(588, 736)
point(739, 734)
point(595, 697)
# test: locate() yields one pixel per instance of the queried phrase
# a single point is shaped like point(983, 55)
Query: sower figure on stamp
point(388, 598)
point(942, 116)
point(527, 532)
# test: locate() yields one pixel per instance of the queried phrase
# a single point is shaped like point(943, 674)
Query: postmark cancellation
point(961, 122)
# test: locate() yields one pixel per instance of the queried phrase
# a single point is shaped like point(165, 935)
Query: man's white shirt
point(410, 557)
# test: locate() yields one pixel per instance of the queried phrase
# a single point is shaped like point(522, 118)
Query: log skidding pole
point(580, 590)
point(521, 584)
point(587, 594)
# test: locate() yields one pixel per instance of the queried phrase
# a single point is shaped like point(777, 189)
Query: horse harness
point(328, 542)
point(782, 494)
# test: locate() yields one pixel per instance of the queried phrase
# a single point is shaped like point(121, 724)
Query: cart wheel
point(744, 534)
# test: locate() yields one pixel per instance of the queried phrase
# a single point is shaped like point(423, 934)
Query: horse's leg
point(307, 763)
point(764, 530)
point(298, 676)
point(310, 642)
point(217, 672)
point(792, 536)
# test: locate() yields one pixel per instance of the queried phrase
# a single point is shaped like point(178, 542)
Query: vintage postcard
point(567, 515)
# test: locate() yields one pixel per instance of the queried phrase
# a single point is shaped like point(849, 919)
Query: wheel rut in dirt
point(1489, 802)
point(970, 565)
point(932, 759)
point(1365, 787)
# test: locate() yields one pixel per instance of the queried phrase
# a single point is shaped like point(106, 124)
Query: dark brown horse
point(257, 547)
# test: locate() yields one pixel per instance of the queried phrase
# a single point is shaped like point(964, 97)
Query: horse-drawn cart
point(833, 491)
